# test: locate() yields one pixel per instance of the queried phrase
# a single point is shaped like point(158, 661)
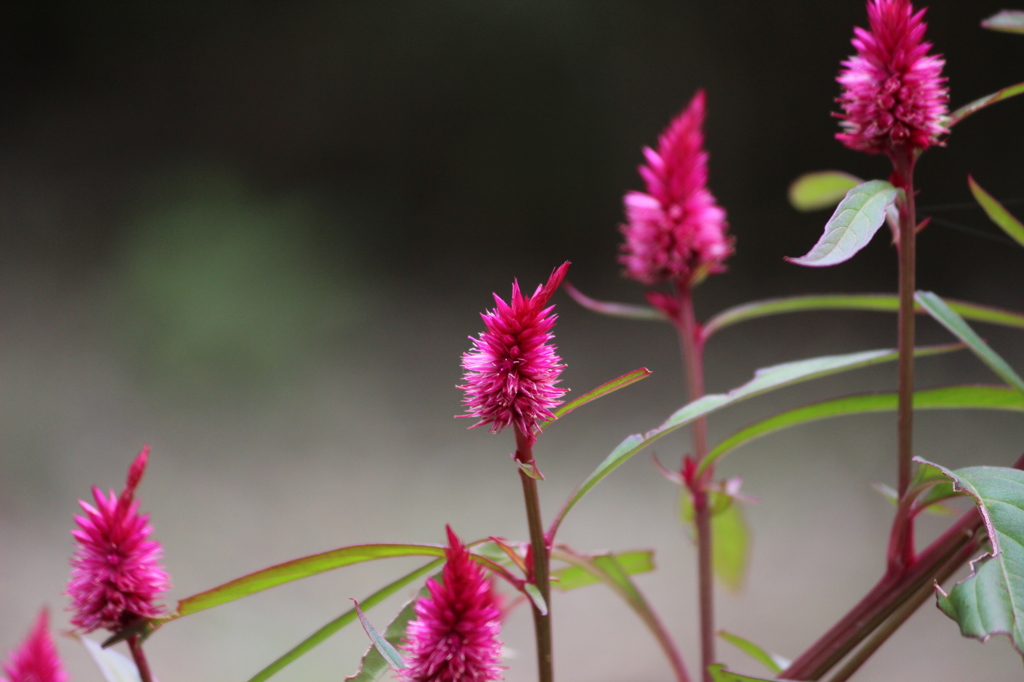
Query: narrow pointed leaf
point(295, 570)
point(775, 663)
point(982, 102)
point(887, 303)
point(720, 674)
point(821, 189)
point(931, 506)
point(995, 211)
point(113, 665)
point(765, 380)
point(730, 549)
point(531, 591)
point(945, 398)
point(572, 577)
point(627, 311)
point(373, 666)
point(1008, 21)
point(601, 391)
point(306, 645)
point(606, 568)
point(956, 325)
point(383, 646)
point(851, 227)
point(991, 600)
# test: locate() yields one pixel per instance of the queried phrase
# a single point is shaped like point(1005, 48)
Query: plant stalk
point(692, 344)
point(135, 646)
point(903, 177)
point(541, 569)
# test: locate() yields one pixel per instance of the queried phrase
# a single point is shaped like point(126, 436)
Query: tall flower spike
point(36, 660)
point(512, 369)
point(676, 231)
point(455, 635)
point(894, 97)
point(116, 573)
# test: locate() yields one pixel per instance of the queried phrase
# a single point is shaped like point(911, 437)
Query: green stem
point(692, 345)
point(135, 646)
point(541, 569)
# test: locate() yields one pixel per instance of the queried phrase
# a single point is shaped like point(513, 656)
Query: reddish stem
point(692, 344)
point(135, 646)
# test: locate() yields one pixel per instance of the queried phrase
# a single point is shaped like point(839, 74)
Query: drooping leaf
point(306, 645)
point(820, 189)
point(536, 597)
point(775, 663)
point(1009, 21)
point(991, 600)
point(373, 666)
point(606, 568)
point(851, 227)
point(730, 548)
point(627, 311)
point(573, 576)
point(601, 391)
point(956, 325)
point(888, 303)
point(720, 674)
point(996, 213)
point(982, 102)
point(765, 380)
point(295, 570)
point(945, 398)
point(113, 665)
point(382, 645)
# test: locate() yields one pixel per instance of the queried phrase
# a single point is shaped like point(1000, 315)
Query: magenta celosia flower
point(676, 231)
point(36, 660)
point(512, 369)
point(455, 635)
point(116, 573)
point(894, 96)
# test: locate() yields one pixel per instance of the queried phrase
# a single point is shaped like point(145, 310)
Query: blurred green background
point(256, 236)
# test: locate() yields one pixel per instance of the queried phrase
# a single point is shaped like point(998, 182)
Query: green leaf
point(982, 102)
point(888, 303)
point(1009, 21)
point(607, 569)
point(945, 398)
point(821, 189)
point(531, 591)
point(851, 227)
point(306, 645)
point(373, 666)
point(627, 311)
point(995, 211)
point(572, 577)
point(720, 674)
point(295, 570)
point(956, 325)
point(383, 646)
point(730, 546)
point(114, 666)
point(938, 488)
point(991, 600)
point(775, 663)
point(767, 379)
point(601, 391)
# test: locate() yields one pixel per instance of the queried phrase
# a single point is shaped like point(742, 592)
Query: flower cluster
point(512, 369)
point(676, 230)
point(894, 95)
point(455, 635)
point(115, 573)
point(36, 659)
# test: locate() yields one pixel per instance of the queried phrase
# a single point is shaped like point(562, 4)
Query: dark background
point(256, 235)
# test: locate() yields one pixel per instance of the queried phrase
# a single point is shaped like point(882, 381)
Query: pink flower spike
point(894, 96)
point(36, 660)
point(676, 230)
point(512, 369)
point(116, 573)
point(455, 635)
